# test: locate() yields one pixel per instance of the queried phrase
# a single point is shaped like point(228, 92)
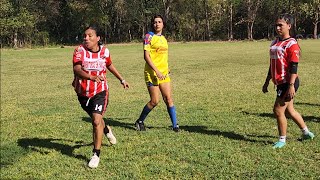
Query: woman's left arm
point(294, 57)
point(293, 75)
point(115, 72)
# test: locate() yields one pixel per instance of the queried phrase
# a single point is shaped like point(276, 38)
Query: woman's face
point(91, 39)
point(158, 25)
point(283, 28)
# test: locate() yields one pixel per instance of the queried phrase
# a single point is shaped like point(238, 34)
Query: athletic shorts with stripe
point(96, 104)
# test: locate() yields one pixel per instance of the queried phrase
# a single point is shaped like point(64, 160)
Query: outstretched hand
point(125, 85)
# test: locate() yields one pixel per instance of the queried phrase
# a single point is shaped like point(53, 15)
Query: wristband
point(291, 84)
point(123, 81)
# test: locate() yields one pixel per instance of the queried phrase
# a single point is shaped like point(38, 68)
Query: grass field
point(227, 125)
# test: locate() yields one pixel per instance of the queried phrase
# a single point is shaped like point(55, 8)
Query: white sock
point(305, 130)
point(282, 139)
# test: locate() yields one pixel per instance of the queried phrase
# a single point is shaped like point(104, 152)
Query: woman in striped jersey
point(91, 61)
point(284, 58)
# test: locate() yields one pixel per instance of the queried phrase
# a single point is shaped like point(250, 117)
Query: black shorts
point(96, 104)
point(283, 88)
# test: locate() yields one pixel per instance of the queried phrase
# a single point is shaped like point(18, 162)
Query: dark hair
point(98, 31)
point(289, 20)
point(152, 21)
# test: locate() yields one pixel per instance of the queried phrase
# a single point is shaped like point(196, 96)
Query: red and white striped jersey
point(282, 53)
point(93, 63)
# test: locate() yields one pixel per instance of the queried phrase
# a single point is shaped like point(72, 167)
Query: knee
point(154, 102)
point(277, 112)
point(168, 101)
point(96, 123)
point(291, 112)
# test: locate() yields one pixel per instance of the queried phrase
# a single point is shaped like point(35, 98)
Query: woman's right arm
point(266, 83)
point(147, 58)
point(77, 69)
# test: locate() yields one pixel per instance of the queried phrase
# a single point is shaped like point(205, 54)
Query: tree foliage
point(35, 22)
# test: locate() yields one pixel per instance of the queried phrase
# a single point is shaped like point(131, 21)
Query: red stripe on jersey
point(282, 53)
point(93, 63)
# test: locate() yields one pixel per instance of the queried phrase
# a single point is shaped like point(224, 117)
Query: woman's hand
point(160, 75)
point(98, 78)
point(125, 84)
point(291, 92)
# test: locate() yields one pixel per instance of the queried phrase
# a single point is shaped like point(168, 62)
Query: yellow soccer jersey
point(157, 46)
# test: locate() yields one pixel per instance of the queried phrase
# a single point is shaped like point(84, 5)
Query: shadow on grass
point(308, 104)
point(270, 115)
point(37, 144)
point(117, 122)
point(230, 135)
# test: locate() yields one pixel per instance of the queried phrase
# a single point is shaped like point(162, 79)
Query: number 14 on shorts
point(98, 107)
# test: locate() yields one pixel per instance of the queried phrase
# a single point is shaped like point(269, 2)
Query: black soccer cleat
point(140, 126)
point(176, 129)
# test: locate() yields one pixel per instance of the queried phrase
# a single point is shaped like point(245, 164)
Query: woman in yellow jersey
point(156, 73)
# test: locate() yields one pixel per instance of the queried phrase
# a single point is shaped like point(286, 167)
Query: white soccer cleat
point(111, 138)
point(94, 161)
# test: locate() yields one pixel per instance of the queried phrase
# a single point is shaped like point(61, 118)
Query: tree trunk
point(315, 23)
point(315, 30)
point(15, 40)
point(166, 4)
point(250, 30)
point(231, 23)
point(207, 34)
point(130, 36)
point(252, 9)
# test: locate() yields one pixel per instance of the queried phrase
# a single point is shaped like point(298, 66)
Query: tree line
point(26, 23)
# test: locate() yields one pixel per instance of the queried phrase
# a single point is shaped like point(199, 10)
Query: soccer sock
point(106, 130)
point(305, 130)
point(282, 139)
point(144, 113)
point(173, 116)
point(97, 151)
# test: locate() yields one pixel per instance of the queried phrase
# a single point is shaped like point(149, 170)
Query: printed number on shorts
point(98, 107)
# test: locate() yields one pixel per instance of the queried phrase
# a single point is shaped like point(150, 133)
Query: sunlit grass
point(226, 121)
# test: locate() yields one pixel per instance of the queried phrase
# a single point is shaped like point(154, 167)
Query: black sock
point(106, 130)
point(97, 151)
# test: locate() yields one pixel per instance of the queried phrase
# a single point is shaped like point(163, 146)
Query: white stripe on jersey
point(79, 85)
point(88, 85)
point(282, 67)
point(291, 42)
point(103, 83)
point(95, 85)
point(106, 52)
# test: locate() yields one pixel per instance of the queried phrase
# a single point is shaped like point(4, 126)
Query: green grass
point(226, 121)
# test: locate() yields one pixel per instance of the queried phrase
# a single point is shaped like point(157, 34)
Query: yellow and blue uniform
point(157, 46)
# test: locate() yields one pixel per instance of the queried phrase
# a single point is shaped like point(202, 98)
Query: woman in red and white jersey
point(284, 59)
point(90, 63)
